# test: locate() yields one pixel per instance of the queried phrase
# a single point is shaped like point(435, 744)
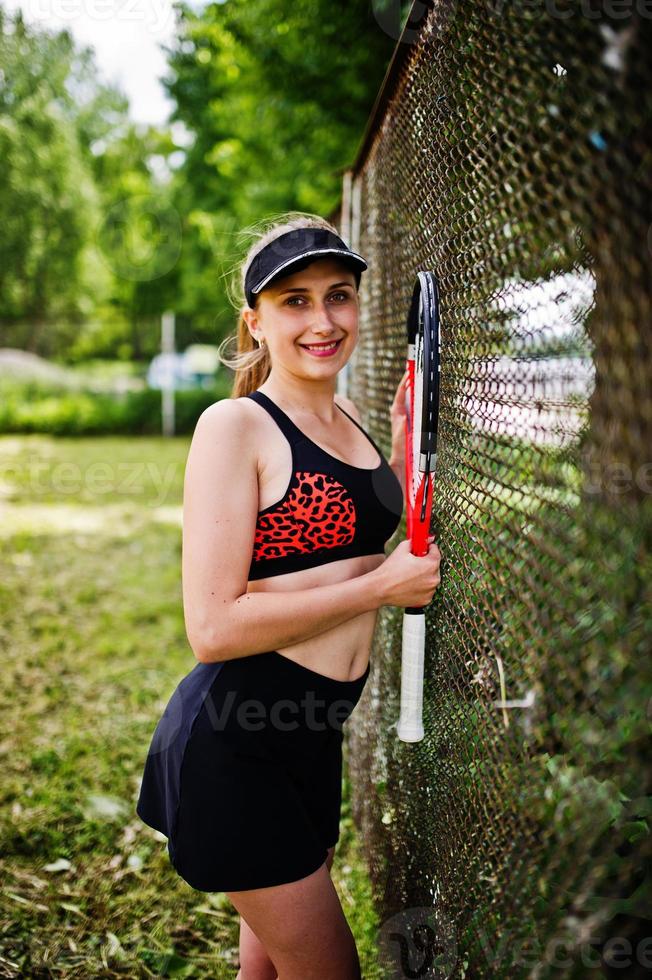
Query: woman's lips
point(328, 352)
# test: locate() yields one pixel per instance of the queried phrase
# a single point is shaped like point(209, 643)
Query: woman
point(287, 506)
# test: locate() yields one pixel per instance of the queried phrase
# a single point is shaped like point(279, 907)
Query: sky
point(126, 36)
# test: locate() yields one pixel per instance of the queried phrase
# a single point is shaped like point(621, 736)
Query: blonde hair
point(251, 363)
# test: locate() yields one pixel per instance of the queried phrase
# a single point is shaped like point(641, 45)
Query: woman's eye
point(289, 302)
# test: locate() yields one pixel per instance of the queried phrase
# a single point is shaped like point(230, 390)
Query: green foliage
point(48, 201)
point(33, 407)
point(75, 169)
point(94, 246)
point(277, 97)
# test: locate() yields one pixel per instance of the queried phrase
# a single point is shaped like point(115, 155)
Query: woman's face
point(315, 306)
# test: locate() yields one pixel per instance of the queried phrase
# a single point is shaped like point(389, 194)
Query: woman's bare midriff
point(341, 652)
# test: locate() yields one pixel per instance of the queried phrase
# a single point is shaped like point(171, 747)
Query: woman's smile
point(325, 348)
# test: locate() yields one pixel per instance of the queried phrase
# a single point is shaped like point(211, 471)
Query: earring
point(261, 342)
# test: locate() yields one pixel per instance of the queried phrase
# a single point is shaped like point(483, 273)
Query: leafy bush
point(34, 407)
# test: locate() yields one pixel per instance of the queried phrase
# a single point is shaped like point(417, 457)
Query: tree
point(277, 97)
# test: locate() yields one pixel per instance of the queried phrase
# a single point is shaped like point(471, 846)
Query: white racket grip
point(410, 723)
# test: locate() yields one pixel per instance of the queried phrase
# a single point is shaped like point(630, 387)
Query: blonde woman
point(288, 504)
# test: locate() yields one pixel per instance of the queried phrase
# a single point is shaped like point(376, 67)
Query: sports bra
point(330, 509)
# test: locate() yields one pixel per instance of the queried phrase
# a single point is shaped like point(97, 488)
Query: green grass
point(93, 644)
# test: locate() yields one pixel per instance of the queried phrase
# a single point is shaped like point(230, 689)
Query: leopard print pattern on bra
point(317, 512)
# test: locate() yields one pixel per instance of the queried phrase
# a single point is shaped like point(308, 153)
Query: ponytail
point(251, 363)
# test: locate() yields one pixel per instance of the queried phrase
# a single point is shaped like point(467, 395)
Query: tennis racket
point(421, 420)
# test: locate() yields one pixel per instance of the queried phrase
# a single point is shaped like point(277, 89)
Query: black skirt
point(244, 771)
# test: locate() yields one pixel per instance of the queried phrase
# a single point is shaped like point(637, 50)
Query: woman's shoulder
point(226, 421)
point(234, 426)
point(226, 412)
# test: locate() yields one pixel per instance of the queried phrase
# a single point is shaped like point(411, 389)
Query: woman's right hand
point(409, 580)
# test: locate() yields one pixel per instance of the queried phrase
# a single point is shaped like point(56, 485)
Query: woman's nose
point(323, 317)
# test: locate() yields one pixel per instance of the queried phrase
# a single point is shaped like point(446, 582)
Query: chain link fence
point(509, 152)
